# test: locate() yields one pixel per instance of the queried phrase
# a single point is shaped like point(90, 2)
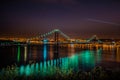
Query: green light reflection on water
point(18, 53)
point(48, 63)
point(87, 59)
point(40, 66)
point(27, 70)
point(37, 68)
point(32, 68)
point(22, 70)
point(84, 59)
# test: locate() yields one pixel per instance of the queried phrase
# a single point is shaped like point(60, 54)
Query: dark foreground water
point(45, 57)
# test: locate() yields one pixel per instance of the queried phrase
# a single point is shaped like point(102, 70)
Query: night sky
point(76, 18)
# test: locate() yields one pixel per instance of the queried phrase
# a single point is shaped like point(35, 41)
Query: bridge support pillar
point(56, 37)
point(56, 42)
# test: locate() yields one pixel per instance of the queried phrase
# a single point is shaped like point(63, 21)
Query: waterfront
point(80, 57)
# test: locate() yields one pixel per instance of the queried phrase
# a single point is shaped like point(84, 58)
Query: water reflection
point(71, 50)
point(29, 52)
point(51, 52)
point(56, 51)
point(18, 53)
point(34, 52)
point(83, 60)
point(87, 59)
point(98, 55)
point(109, 53)
point(118, 55)
point(45, 52)
point(25, 53)
point(50, 56)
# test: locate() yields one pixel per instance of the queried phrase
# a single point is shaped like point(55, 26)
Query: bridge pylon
point(56, 38)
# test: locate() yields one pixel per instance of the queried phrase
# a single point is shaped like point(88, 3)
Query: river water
point(64, 56)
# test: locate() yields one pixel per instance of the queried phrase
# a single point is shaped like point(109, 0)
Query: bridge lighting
point(113, 42)
point(56, 30)
point(45, 41)
point(94, 38)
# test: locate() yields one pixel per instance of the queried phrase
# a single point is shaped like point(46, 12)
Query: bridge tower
point(56, 37)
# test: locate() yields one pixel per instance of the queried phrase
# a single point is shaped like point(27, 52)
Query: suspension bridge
point(55, 36)
point(58, 37)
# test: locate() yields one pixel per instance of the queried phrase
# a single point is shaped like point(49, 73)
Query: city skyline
point(76, 18)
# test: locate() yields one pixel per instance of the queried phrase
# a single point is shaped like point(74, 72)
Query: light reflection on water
point(81, 60)
point(45, 52)
point(118, 55)
point(18, 54)
point(43, 59)
point(25, 53)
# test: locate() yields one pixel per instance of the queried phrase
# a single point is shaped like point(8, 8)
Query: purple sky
point(76, 18)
